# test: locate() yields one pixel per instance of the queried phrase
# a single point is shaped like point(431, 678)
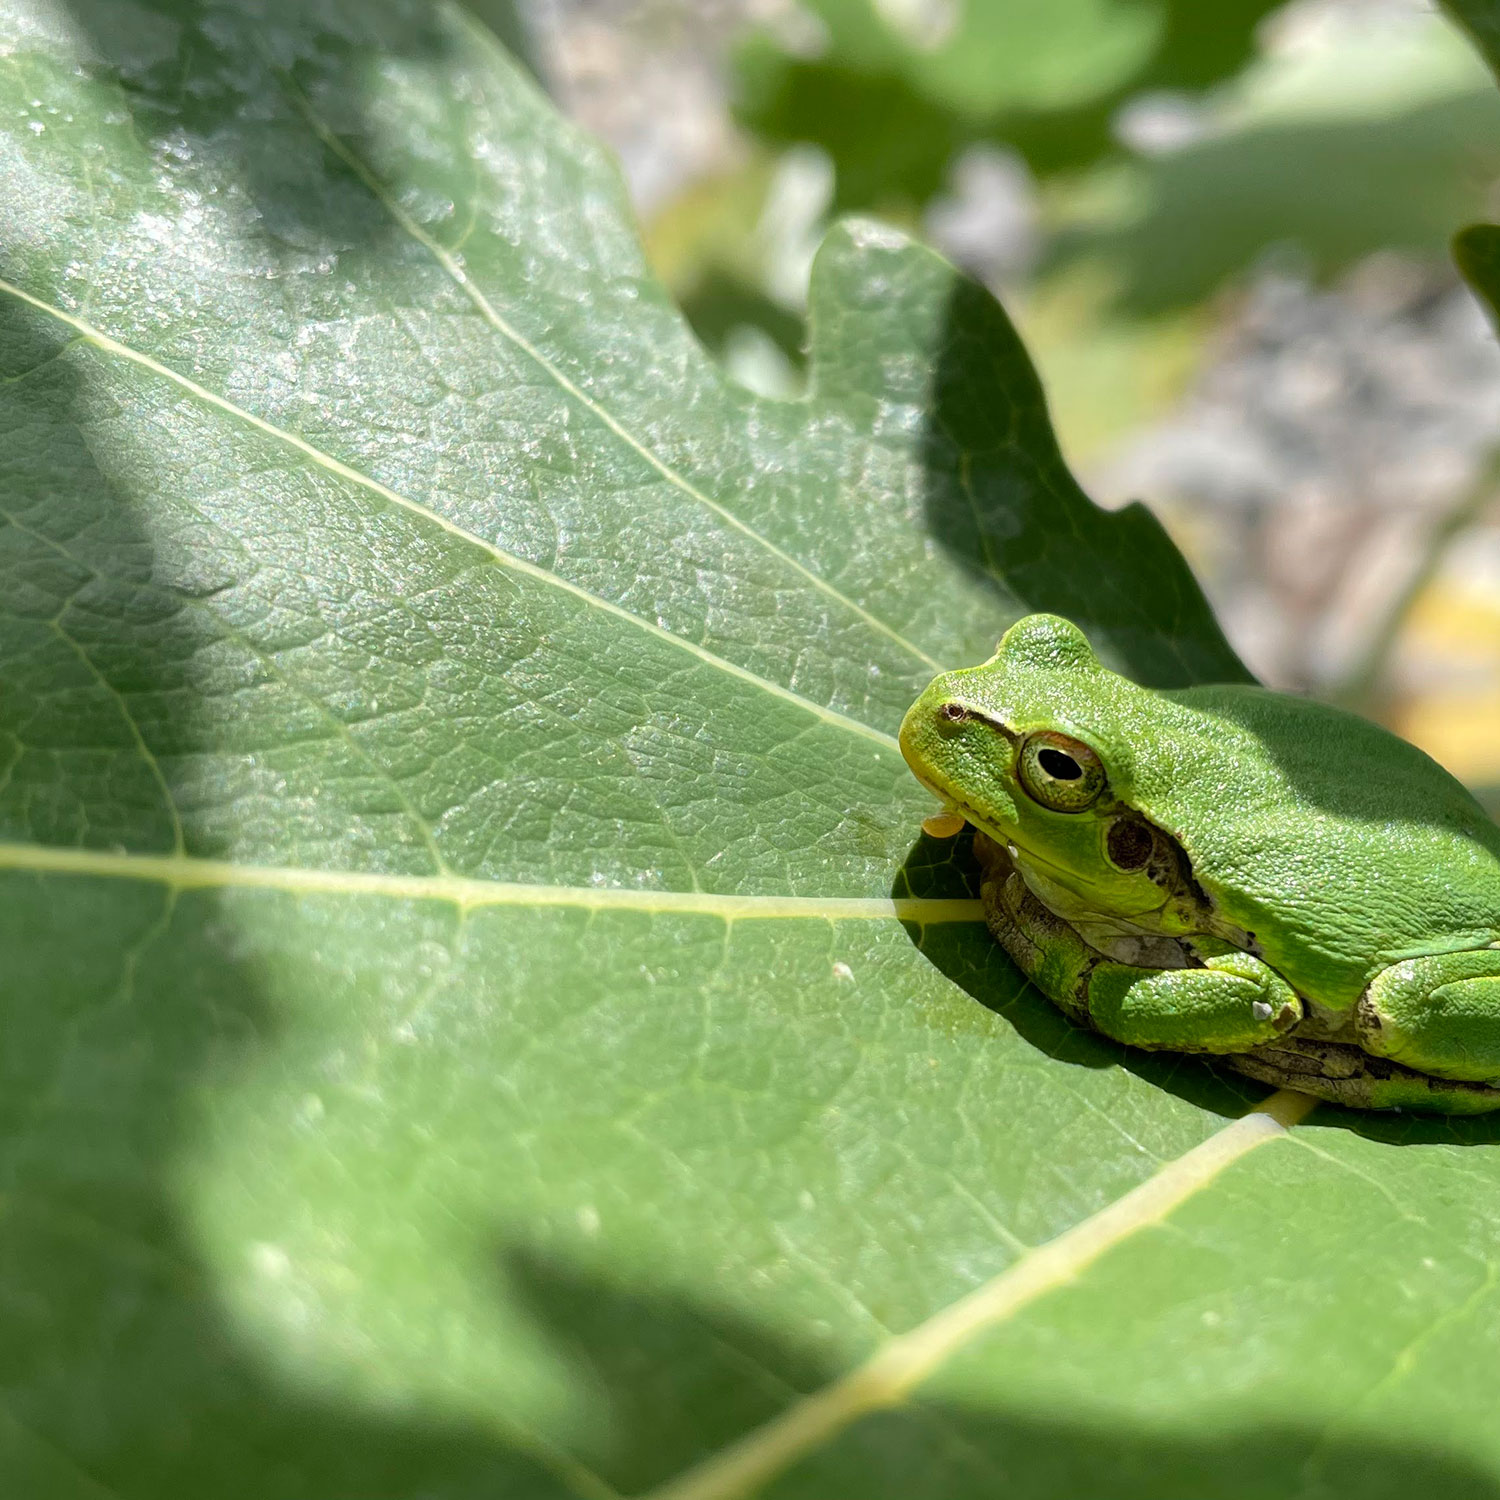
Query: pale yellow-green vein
point(896, 1369)
point(512, 335)
point(186, 872)
point(508, 560)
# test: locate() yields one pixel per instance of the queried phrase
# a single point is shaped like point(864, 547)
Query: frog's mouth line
point(991, 830)
point(1063, 876)
point(972, 818)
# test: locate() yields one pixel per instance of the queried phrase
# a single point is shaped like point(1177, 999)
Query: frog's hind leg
point(1439, 1015)
point(1349, 1076)
point(1428, 1031)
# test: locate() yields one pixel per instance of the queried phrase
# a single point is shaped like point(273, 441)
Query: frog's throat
point(1045, 879)
point(1109, 937)
point(1074, 907)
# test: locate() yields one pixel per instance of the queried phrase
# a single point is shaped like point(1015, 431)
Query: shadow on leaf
point(679, 1379)
point(944, 869)
point(212, 85)
point(1001, 501)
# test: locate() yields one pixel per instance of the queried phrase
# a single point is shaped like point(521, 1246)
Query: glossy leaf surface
point(478, 1017)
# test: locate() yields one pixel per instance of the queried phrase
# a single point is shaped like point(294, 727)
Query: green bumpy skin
point(1227, 870)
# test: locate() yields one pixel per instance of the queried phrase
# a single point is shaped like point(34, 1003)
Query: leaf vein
point(507, 560)
point(601, 413)
point(190, 872)
point(890, 1375)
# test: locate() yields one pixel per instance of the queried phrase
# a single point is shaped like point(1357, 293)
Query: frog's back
point(1339, 845)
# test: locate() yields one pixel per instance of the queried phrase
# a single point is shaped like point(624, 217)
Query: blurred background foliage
point(1222, 229)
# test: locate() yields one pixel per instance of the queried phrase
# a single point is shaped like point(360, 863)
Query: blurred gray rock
point(1329, 431)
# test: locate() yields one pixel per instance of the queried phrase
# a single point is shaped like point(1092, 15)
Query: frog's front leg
point(1222, 1000)
point(1439, 1015)
point(1230, 1004)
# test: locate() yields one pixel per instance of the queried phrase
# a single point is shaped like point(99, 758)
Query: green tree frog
point(1226, 870)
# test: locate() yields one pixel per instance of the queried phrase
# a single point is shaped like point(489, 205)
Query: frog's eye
point(1059, 772)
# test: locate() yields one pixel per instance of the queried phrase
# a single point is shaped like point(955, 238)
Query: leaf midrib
point(192, 872)
point(889, 1376)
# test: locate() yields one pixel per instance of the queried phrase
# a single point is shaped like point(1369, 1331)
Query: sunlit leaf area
point(480, 486)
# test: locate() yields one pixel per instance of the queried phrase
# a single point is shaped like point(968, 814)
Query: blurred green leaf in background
point(1384, 142)
point(1171, 149)
point(894, 91)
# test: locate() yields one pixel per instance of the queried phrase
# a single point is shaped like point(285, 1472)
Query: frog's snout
point(921, 731)
point(908, 736)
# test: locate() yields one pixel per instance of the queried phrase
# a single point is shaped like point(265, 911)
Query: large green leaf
point(475, 1018)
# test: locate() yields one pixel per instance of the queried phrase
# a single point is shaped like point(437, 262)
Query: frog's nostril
point(950, 716)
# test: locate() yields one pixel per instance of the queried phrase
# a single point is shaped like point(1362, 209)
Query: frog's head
point(1034, 749)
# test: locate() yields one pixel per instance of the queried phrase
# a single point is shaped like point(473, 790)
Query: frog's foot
point(1347, 1075)
point(1439, 1014)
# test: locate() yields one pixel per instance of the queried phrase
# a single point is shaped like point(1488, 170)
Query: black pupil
point(1059, 766)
